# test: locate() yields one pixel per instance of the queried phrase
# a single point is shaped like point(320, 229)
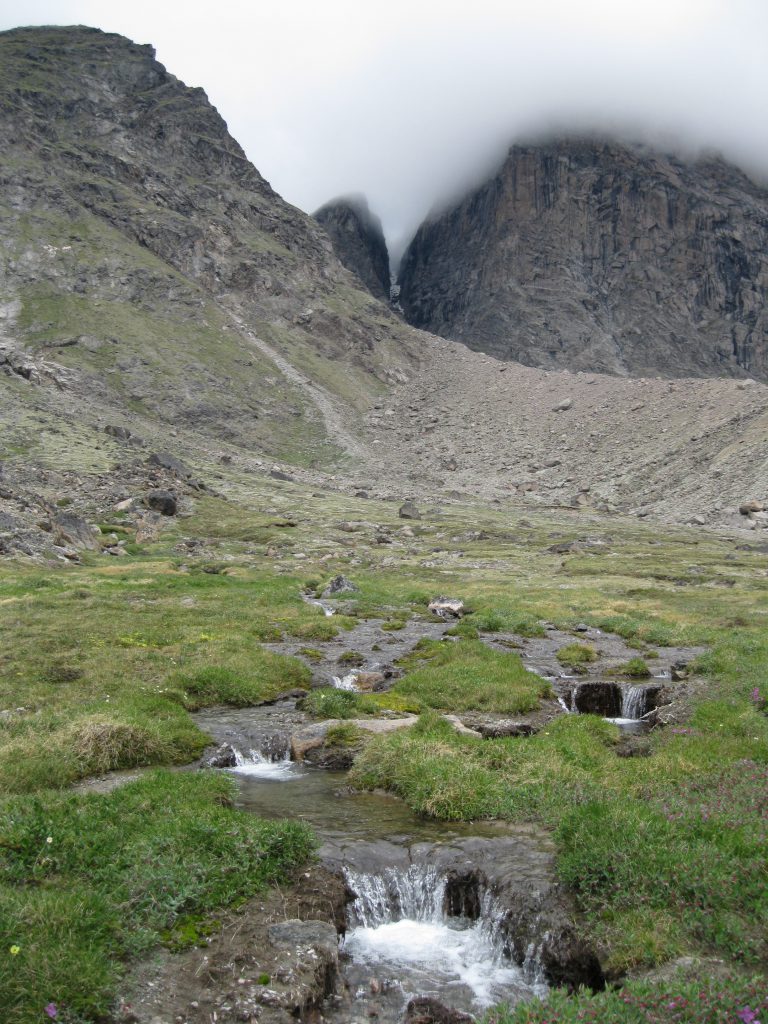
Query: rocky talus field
point(347, 673)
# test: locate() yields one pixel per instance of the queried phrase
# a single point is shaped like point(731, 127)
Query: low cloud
point(410, 103)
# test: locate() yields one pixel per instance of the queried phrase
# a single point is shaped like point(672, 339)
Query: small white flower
point(49, 840)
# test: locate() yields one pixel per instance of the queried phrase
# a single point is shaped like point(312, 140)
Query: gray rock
point(565, 283)
point(223, 757)
point(447, 607)
point(358, 240)
point(340, 585)
point(502, 729)
point(751, 506)
point(68, 528)
point(409, 510)
point(162, 501)
point(427, 1010)
point(171, 463)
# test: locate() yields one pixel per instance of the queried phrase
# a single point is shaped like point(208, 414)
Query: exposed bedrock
point(594, 255)
point(358, 241)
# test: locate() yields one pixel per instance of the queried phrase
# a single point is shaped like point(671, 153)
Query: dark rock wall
point(599, 256)
point(358, 241)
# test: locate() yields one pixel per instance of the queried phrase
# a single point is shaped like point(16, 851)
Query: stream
point(461, 912)
point(402, 939)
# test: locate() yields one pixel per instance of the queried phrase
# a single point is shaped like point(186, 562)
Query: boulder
point(171, 463)
point(447, 607)
point(409, 510)
point(278, 474)
point(370, 681)
point(505, 728)
point(121, 433)
point(223, 757)
point(426, 1010)
point(162, 501)
point(340, 585)
point(751, 506)
point(68, 528)
point(598, 699)
point(563, 406)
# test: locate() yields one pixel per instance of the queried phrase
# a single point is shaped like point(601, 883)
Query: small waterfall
point(273, 761)
point(400, 925)
point(327, 609)
point(633, 702)
point(347, 682)
point(417, 894)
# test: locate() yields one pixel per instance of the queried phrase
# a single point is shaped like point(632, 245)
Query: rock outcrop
point(599, 256)
point(141, 246)
point(358, 241)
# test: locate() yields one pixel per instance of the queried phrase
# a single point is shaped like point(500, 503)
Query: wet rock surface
point(275, 960)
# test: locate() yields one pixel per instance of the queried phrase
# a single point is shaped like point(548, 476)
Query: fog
point(411, 102)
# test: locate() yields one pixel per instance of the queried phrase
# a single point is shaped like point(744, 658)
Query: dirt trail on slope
point(326, 406)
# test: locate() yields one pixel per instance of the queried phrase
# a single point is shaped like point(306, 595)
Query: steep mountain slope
point(156, 296)
point(358, 241)
point(142, 252)
point(594, 255)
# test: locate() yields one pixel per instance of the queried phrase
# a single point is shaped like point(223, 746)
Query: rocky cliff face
point(358, 241)
point(604, 257)
point(147, 258)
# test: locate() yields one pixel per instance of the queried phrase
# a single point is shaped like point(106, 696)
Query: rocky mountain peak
point(592, 254)
point(358, 241)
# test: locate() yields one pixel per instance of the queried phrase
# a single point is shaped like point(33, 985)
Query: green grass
point(575, 655)
point(87, 881)
point(107, 658)
point(635, 668)
point(705, 1000)
point(330, 702)
point(466, 675)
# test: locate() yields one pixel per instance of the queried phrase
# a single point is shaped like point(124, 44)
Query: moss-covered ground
point(100, 664)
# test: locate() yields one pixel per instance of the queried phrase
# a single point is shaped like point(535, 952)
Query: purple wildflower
point(748, 1015)
point(53, 1011)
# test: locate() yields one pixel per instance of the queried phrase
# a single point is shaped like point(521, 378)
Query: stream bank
point(398, 907)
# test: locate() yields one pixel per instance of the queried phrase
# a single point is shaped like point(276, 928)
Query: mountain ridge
point(157, 296)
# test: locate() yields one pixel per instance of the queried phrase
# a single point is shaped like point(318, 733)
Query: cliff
point(358, 241)
point(598, 256)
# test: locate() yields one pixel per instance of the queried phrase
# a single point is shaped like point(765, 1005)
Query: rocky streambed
point(400, 914)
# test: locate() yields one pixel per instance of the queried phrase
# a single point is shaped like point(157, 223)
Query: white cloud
point(409, 101)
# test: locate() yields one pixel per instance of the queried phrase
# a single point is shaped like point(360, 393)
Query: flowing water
point(400, 930)
point(401, 940)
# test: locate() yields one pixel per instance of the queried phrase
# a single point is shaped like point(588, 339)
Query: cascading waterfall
point(328, 610)
point(273, 761)
point(399, 925)
point(418, 894)
point(633, 702)
point(347, 682)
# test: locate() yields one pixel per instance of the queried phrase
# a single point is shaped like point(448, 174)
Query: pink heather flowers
point(748, 1015)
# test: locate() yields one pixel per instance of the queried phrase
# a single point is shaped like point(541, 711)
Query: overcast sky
point(410, 101)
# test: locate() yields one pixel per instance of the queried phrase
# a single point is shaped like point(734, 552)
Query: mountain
point(595, 255)
point(167, 321)
point(358, 241)
point(145, 256)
